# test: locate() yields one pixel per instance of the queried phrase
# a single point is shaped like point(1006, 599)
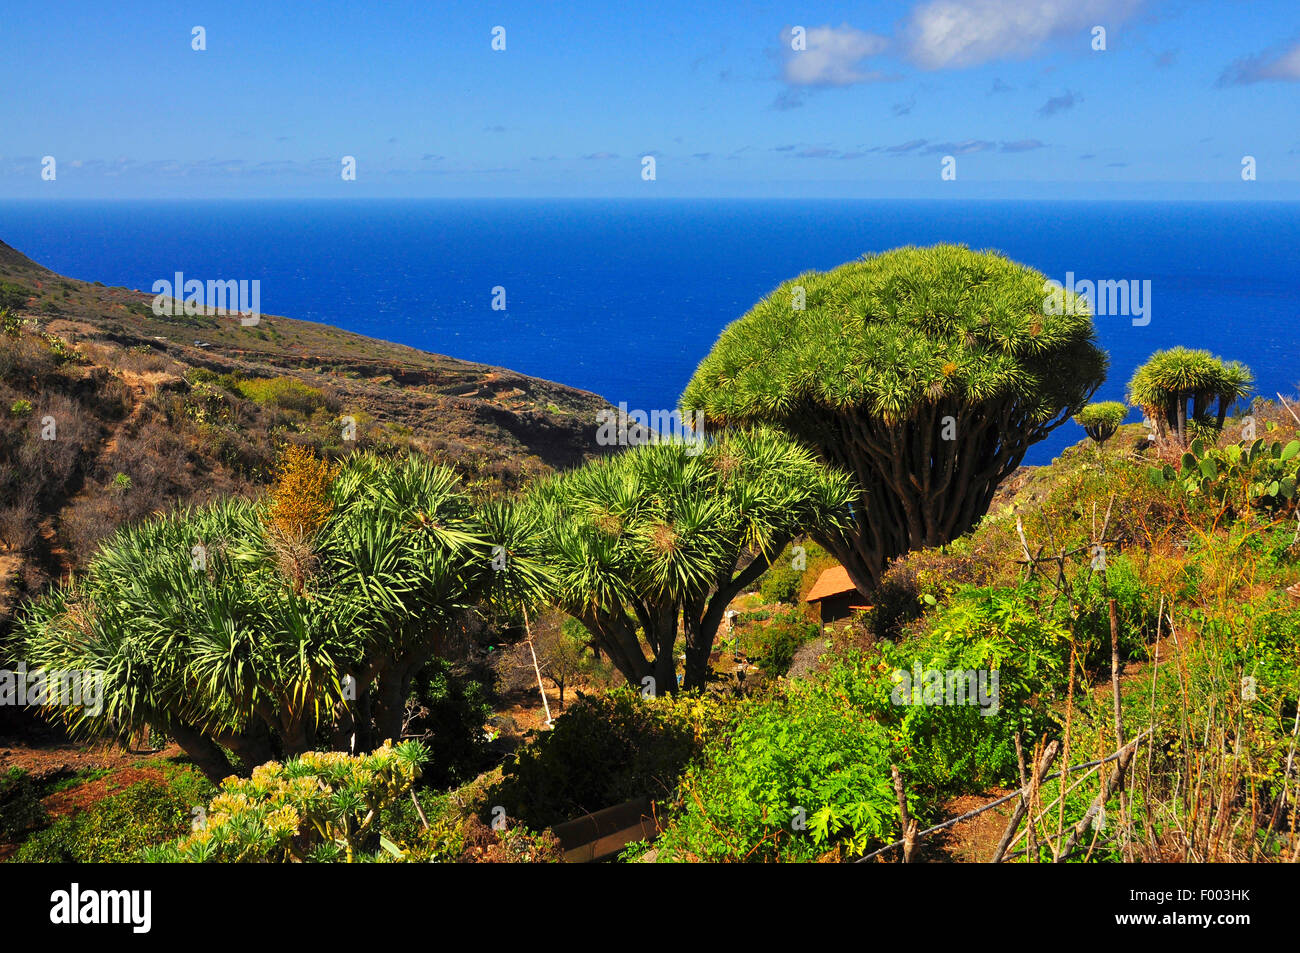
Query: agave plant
point(665, 535)
point(926, 373)
point(199, 632)
point(1169, 380)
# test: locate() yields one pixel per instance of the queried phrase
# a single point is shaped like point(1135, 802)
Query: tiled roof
point(832, 582)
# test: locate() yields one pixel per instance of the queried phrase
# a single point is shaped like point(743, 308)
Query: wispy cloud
point(963, 148)
point(790, 98)
point(1278, 64)
point(1022, 145)
point(1056, 104)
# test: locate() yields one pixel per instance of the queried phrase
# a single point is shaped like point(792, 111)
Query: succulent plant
point(1259, 474)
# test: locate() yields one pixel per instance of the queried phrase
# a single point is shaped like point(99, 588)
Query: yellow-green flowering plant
point(319, 807)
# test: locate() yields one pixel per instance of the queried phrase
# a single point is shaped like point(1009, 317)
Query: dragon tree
point(661, 538)
point(926, 373)
point(1170, 380)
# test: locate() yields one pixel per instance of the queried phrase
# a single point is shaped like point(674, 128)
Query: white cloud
point(952, 34)
point(833, 56)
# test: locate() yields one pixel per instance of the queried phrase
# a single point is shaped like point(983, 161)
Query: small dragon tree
point(269, 631)
point(1101, 420)
point(665, 535)
point(926, 373)
point(1163, 386)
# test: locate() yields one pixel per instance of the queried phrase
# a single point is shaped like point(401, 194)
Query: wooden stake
point(1026, 797)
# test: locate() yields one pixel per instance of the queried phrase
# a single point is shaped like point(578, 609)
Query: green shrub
point(772, 641)
point(452, 710)
point(286, 393)
point(803, 771)
point(117, 828)
point(603, 751)
point(320, 807)
point(781, 584)
point(20, 407)
point(13, 296)
point(956, 748)
point(1135, 608)
point(20, 804)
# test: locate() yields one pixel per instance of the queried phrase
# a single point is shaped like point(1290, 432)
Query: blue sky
point(1012, 90)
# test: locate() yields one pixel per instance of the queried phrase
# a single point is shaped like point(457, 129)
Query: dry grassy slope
point(504, 416)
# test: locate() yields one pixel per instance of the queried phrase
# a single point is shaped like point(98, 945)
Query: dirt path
point(49, 548)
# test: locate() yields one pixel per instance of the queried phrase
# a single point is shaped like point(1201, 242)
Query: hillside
point(154, 411)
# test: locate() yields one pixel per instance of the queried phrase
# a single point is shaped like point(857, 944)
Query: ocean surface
point(623, 298)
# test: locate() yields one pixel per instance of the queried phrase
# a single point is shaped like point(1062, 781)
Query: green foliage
point(1101, 420)
point(231, 646)
point(319, 807)
point(773, 640)
point(941, 359)
point(13, 296)
point(20, 804)
point(63, 352)
point(1238, 477)
point(21, 407)
point(117, 828)
point(1135, 608)
point(781, 583)
point(957, 748)
point(11, 325)
point(1163, 386)
point(898, 330)
point(603, 751)
point(287, 393)
point(803, 771)
point(451, 711)
point(673, 531)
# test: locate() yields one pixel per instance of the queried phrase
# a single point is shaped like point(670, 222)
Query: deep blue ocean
point(623, 297)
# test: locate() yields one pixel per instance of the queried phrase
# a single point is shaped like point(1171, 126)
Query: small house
point(836, 595)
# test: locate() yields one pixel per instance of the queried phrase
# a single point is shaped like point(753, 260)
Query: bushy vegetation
point(268, 629)
point(20, 804)
point(802, 770)
point(119, 827)
point(604, 750)
point(320, 806)
point(1135, 599)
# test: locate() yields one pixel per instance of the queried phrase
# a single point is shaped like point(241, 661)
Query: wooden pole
point(909, 825)
point(1026, 798)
